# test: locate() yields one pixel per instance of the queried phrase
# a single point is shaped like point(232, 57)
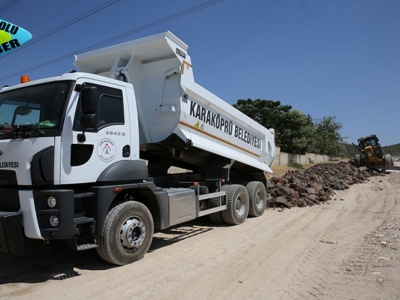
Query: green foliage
point(349, 150)
point(292, 128)
point(327, 139)
point(295, 165)
point(393, 150)
point(265, 112)
point(294, 131)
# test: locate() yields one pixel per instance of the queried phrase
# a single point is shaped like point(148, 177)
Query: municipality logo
point(106, 150)
point(12, 37)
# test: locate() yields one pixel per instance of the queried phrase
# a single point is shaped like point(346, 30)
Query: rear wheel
point(237, 200)
point(257, 198)
point(357, 160)
point(127, 233)
point(217, 218)
point(388, 162)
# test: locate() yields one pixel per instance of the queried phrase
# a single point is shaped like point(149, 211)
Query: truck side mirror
point(88, 121)
point(89, 100)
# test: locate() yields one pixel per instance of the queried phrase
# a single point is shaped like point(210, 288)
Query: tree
point(293, 130)
point(327, 139)
point(266, 112)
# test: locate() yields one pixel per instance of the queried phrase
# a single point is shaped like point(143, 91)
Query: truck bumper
point(13, 240)
point(11, 233)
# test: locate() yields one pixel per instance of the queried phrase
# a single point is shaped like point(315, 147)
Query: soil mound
point(316, 184)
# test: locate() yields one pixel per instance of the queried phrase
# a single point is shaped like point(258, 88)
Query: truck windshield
point(38, 108)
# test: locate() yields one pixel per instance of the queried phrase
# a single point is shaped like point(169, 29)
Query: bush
point(295, 165)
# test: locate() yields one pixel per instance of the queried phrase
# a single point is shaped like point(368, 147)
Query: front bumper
point(13, 239)
point(11, 233)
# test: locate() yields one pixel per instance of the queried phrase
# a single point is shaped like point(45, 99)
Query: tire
point(237, 202)
point(388, 162)
point(257, 198)
point(215, 217)
point(127, 233)
point(357, 160)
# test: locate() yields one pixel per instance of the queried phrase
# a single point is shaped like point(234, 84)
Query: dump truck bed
point(170, 102)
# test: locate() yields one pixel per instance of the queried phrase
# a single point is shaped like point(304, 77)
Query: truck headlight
point(54, 221)
point(51, 202)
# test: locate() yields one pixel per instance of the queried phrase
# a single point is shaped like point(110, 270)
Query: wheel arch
point(146, 193)
point(145, 196)
point(126, 170)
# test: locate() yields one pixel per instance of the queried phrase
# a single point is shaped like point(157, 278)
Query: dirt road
point(348, 248)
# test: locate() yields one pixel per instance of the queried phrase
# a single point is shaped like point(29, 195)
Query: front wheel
point(127, 233)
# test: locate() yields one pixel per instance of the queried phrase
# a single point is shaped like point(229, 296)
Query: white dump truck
point(85, 157)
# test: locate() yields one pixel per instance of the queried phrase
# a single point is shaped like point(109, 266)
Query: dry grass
point(279, 171)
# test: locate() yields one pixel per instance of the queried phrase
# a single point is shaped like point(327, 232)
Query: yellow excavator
point(372, 154)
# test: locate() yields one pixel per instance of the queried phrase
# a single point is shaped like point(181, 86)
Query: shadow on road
point(62, 263)
point(181, 232)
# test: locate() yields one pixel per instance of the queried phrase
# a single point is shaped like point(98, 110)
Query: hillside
point(350, 150)
point(394, 150)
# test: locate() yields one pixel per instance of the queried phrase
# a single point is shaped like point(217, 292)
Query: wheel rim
point(259, 201)
point(132, 233)
point(240, 207)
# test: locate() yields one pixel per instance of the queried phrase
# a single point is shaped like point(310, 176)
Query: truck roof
point(145, 49)
point(65, 76)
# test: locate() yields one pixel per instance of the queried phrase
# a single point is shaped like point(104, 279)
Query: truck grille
point(78, 206)
point(7, 177)
point(9, 200)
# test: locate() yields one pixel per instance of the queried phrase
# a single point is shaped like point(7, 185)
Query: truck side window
point(110, 111)
point(110, 108)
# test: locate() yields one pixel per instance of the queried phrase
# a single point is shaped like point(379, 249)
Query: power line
point(65, 25)
point(8, 5)
point(133, 31)
point(52, 15)
point(157, 22)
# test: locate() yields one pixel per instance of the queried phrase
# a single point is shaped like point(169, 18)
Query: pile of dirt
point(315, 185)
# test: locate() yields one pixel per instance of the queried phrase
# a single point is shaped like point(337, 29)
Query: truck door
point(107, 143)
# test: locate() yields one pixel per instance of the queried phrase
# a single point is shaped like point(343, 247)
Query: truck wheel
point(258, 198)
point(388, 162)
point(217, 218)
point(237, 200)
point(357, 160)
point(127, 233)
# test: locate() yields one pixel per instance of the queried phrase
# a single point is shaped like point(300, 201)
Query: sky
point(337, 58)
